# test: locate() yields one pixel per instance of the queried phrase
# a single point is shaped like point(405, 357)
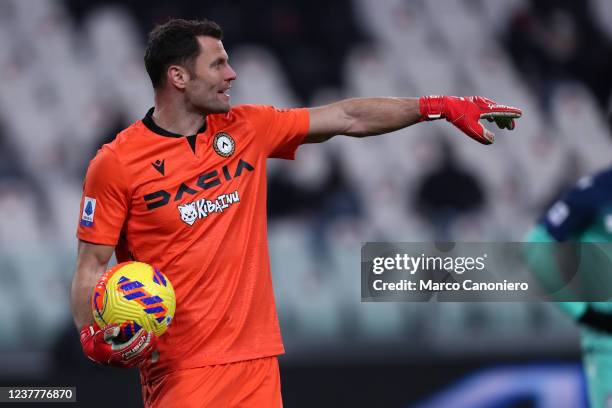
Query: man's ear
point(177, 76)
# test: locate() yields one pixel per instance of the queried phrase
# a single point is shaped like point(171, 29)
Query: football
point(134, 295)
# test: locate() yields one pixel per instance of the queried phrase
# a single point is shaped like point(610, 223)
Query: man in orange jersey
point(184, 189)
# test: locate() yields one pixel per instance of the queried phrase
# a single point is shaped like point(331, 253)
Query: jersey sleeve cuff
point(289, 152)
point(98, 239)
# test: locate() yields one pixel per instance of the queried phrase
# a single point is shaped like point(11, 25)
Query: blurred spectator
point(447, 193)
point(323, 199)
point(553, 41)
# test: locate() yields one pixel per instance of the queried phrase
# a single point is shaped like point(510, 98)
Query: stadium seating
point(67, 85)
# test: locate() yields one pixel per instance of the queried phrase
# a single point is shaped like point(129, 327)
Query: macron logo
point(159, 166)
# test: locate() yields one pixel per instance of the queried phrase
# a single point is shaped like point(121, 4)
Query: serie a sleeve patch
point(89, 209)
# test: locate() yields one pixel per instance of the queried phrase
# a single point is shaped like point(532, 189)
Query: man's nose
point(230, 74)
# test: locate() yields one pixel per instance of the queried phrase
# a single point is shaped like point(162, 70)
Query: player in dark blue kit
point(583, 215)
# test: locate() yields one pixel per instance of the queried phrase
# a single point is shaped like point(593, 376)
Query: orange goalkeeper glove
point(465, 113)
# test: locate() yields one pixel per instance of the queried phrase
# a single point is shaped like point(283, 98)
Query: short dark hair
point(175, 42)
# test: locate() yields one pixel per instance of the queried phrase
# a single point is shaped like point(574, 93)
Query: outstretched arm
point(361, 117)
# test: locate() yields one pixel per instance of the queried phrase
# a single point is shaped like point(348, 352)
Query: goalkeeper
point(583, 215)
point(147, 191)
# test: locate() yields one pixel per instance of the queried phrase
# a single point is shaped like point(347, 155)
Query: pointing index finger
point(514, 113)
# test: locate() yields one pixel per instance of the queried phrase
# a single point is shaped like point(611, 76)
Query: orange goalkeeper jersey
point(195, 207)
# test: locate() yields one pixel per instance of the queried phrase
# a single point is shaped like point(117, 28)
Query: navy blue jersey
point(584, 213)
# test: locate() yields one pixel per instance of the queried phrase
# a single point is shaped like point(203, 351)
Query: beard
point(210, 103)
point(205, 98)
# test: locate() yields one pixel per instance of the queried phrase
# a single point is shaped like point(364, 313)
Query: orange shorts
point(244, 384)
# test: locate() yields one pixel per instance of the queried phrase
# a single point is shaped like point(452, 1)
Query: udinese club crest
point(224, 144)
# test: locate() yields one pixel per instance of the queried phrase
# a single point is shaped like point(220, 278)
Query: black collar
point(152, 126)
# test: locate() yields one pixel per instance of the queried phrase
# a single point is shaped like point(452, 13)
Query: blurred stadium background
point(72, 76)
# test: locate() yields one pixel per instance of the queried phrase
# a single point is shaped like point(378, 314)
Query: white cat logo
point(189, 213)
point(202, 208)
